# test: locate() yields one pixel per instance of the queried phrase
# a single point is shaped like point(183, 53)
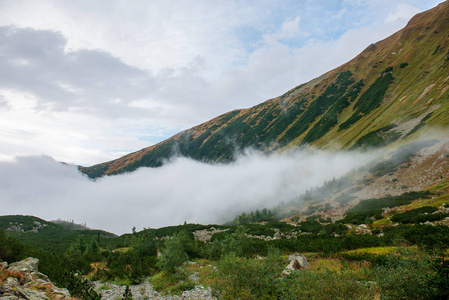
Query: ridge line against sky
point(89, 81)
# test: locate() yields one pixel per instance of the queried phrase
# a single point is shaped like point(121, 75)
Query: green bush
point(408, 278)
point(79, 287)
point(173, 255)
point(181, 287)
point(245, 278)
point(237, 243)
point(323, 285)
point(144, 244)
point(419, 215)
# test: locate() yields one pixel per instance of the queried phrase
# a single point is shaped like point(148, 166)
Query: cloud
point(289, 29)
point(181, 190)
point(34, 62)
point(403, 11)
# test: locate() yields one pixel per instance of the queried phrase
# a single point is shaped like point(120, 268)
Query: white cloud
point(181, 190)
point(403, 12)
point(149, 34)
point(289, 29)
point(69, 136)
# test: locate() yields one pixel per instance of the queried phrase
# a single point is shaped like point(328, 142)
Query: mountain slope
point(47, 235)
point(391, 92)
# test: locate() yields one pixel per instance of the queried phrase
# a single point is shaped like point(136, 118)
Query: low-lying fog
point(181, 190)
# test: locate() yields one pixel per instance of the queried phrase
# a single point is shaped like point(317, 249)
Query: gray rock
point(13, 289)
point(296, 262)
point(12, 282)
point(27, 265)
point(38, 276)
point(194, 277)
point(28, 279)
point(61, 293)
point(10, 297)
point(29, 294)
point(3, 265)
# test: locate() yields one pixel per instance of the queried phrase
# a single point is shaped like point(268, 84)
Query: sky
point(83, 82)
point(89, 81)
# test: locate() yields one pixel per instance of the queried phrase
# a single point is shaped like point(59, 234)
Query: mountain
point(392, 92)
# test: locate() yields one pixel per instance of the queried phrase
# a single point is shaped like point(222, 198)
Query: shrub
point(409, 278)
point(245, 278)
point(237, 243)
point(419, 215)
point(181, 287)
point(323, 285)
point(173, 255)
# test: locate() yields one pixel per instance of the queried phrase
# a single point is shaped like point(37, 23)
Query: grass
point(374, 250)
point(175, 284)
point(439, 186)
point(97, 266)
point(163, 282)
point(435, 202)
point(122, 250)
point(103, 287)
point(326, 263)
point(204, 270)
point(381, 223)
point(121, 281)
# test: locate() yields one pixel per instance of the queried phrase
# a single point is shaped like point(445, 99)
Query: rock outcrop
point(296, 262)
point(22, 280)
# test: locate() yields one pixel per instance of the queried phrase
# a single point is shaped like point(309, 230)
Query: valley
point(379, 231)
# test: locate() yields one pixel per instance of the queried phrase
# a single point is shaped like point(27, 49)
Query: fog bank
point(181, 190)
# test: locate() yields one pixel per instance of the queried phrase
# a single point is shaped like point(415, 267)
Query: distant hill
point(46, 235)
point(390, 94)
point(70, 225)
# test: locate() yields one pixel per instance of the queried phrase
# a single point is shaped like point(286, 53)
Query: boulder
point(30, 294)
point(296, 262)
point(12, 282)
point(27, 265)
point(3, 265)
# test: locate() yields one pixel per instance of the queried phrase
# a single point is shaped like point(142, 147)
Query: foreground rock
point(296, 262)
point(22, 280)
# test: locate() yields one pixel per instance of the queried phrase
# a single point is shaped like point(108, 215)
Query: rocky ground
point(145, 291)
point(22, 280)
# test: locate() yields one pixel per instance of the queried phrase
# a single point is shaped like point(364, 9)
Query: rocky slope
point(393, 91)
point(22, 280)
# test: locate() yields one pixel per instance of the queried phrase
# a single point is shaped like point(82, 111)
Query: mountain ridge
point(403, 78)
